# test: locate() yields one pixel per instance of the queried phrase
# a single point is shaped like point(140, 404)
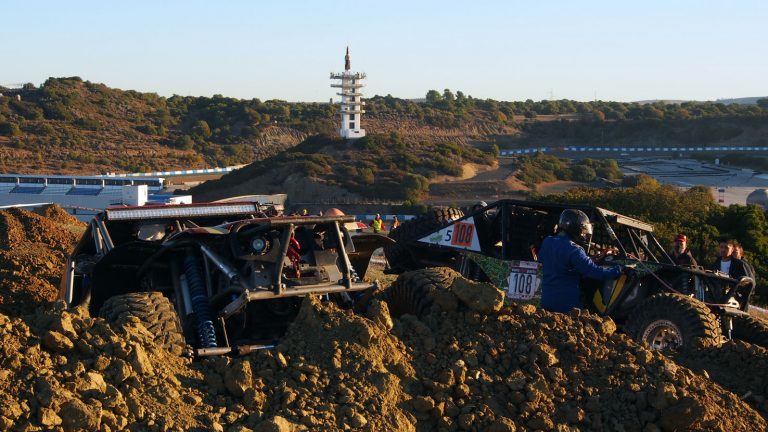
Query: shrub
point(10, 129)
point(147, 129)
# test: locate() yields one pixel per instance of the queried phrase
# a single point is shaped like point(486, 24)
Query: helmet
point(333, 211)
point(478, 205)
point(576, 224)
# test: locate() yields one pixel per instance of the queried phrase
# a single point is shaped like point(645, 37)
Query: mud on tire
point(155, 312)
point(750, 329)
point(412, 292)
point(672, 320)
point(398, 254)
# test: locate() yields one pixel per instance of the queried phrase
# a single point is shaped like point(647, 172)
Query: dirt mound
point(540, 370)
point(32, 251)
point(57, 214)
point(64, 370)
point(738, 367)
point(458, 369)
point(465, 365)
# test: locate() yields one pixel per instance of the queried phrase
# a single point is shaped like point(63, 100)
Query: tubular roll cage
point(277, 289)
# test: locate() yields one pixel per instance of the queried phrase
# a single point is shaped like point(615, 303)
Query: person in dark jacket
point(680, 253)
point(738, 253)
point(564, 263)
point(727, 263)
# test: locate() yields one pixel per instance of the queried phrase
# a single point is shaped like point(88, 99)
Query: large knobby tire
point(750, 329)
point(668, 320)
point(155, 312)
point(412, 292)
point(398, 255)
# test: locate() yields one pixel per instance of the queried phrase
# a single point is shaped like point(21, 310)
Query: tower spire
point(346, 61)
point(351, 106)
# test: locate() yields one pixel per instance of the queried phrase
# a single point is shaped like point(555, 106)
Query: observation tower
point(351, 100)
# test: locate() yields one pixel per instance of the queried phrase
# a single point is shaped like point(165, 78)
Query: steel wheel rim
point(663, 334)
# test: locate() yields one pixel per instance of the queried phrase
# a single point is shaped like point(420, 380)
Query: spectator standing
point(727, 263)
point(564, 263)
point(738, 253)
point(395, 223)
point(680, 253)
point(377, 224)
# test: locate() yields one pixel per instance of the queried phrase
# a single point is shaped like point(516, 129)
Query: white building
point(351, 104)
point(83, 196)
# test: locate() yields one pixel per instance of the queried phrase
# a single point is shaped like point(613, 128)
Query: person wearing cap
point(564, 262)
point(680, 253)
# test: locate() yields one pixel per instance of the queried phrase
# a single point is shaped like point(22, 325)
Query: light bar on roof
point(179, 212)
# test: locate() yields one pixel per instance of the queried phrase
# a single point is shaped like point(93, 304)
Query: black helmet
point(576, 224)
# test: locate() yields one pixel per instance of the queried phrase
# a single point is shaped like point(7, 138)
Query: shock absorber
point(206, 333)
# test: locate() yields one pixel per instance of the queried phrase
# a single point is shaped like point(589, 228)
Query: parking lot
point(729, 185)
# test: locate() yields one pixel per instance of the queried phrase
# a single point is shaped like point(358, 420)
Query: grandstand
point(83, 196)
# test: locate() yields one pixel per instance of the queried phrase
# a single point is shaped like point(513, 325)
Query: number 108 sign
point(522, 283)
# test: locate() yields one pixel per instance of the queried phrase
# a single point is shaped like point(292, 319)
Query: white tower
point(351, 104)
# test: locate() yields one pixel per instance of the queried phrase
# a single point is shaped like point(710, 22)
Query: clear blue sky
point(504, 50)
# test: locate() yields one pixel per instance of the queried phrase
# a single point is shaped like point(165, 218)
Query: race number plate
point(523, 282)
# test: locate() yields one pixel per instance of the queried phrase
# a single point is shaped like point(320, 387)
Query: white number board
point(523, 281)
point(458, 235)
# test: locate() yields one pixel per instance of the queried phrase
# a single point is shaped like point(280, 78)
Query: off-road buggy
point(220, 277)
point(659, 302)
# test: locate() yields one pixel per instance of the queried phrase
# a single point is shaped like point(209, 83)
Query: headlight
point(259, 245)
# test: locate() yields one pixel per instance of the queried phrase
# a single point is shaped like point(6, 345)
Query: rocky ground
point(467, 364)
point(32, 249)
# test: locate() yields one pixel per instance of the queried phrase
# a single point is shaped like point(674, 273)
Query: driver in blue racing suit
point(564, 263)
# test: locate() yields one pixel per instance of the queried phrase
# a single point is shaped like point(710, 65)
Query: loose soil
point(32, 249)
point(468, 364)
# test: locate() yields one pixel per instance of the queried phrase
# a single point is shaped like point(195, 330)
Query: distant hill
point(69, 125)
point(740, 101)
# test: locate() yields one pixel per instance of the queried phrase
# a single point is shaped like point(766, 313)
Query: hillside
point(69, 125)
point(73, 126)
point(374, 167)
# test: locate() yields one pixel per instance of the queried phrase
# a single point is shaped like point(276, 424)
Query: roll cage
point(514, 230)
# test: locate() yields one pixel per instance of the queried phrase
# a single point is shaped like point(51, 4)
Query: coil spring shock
point(206, 333)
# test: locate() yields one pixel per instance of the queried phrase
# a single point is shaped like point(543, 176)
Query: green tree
point(366, 176)
point(433, 97)
point(184, 142)
point(583, 173)
point(414, 185)
point(201, 129)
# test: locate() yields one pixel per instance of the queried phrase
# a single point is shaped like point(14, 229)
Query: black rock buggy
point(659, 303)
point(220, 277)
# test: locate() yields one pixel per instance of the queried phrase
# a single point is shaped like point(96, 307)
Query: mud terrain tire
point(750, 329)
point(398, 255)
point(672, 320)
point(155, 312)
point(412, 292)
